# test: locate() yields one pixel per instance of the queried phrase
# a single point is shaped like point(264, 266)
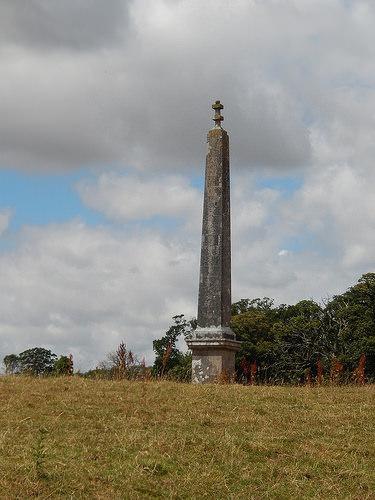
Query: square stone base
point(213, 359)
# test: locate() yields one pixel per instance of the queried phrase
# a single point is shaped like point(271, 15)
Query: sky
point(104, 111)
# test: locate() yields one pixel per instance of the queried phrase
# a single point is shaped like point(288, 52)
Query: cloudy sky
point(104, 110)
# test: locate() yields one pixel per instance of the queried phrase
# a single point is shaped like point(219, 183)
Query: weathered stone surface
point(214, 302)
point(214, 344)
point(213, 360)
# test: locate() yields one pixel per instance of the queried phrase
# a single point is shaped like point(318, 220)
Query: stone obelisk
point(214, 344)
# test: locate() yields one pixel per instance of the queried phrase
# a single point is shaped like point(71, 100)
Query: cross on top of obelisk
point(217, 106)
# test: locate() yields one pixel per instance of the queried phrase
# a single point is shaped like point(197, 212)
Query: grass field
point(78, 438)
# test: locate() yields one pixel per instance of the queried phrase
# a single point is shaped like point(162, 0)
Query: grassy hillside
point(76, 438)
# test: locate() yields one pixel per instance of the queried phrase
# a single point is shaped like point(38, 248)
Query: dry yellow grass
point(77, 438)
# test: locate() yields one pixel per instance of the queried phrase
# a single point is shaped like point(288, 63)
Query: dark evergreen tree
point(36, 361)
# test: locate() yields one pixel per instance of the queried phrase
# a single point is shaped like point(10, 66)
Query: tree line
point(306, 342)
point(302, 343)
point(38, 361)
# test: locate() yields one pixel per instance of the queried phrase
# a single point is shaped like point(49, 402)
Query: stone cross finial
point(217, 106)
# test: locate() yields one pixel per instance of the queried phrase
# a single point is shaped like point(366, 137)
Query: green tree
point(63, 366)
point(254, 329)
point(181, 371)
point(245, 305)
point(36, 361)
point(167, 354)
point(352, 318)
point(252, 321)
point(11, 363)
point(284, 341)
point(300, 340)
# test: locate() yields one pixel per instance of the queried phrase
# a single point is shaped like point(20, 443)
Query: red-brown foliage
point(253, 372)
point(166, 356)
point(319, 372)
point(359, 372)
point(249, 370)
point(336, 371)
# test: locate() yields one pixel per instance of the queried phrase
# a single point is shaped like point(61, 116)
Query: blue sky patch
point(286, 185)
point(197, 182)
point(43, 198)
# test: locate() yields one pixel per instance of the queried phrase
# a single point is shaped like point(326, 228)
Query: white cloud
point(127, 197)
point(78, 289)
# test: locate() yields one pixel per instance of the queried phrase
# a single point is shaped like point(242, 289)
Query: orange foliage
point(336, 370)
point(359, 372)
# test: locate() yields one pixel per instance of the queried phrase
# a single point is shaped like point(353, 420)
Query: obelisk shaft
point(214, 302)
point(213, 344)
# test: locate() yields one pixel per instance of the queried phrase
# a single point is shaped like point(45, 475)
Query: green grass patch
point(79, 438)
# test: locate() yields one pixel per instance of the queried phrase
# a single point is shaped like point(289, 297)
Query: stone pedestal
point(213, 360)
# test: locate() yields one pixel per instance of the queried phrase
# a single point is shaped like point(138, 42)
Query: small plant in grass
point(224, 378)
point(39, 453)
